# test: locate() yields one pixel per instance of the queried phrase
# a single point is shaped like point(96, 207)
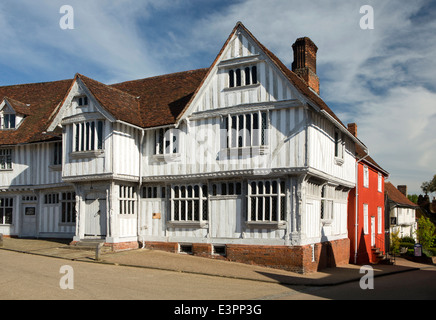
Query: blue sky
point(383, 79)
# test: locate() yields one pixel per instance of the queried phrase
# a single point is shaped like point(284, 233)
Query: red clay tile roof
point(163, 98)
point(19, 107)
point(148, 102)
point(120, 104)
point(396, 196)
point(369, 160)
point(40, 99)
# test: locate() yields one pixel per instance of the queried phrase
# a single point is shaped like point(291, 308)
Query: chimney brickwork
point(402, 189)
point(352, 127)
point(305, 62)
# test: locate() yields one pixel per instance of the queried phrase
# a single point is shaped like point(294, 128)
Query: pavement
point(184, 263)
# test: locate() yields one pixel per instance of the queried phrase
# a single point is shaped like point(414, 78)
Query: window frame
point(380, 182)
point(242, 76)
point(257, 196)
point(127, 198)
point(82, 101)
point(6, 210)
point(379, 220)
point(6, 159)
point(365, 176)
point(252, 133)
point(68, 207)
point(365, 218)
point(7, 122)
point(184, 199)
point(167, 142)
point(88, 136)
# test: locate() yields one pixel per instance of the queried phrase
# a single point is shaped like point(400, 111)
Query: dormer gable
point(12, 113)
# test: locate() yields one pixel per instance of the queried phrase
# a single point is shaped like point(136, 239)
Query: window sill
point(245, 151)
point(6, 170)
point(86, 154)
point(188, 224)
point(168, 157)
point(243, 87)
point(265, 224)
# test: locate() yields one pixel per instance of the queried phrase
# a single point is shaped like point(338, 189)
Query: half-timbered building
point(242, 159)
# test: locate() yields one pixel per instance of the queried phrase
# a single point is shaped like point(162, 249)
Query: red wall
point(374, 199)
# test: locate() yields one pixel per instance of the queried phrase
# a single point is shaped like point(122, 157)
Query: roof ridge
point(159, 76)
point(35, 83)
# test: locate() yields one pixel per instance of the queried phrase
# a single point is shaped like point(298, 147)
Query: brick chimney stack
point(403, 189)
point(352, 127)
point(304, 63)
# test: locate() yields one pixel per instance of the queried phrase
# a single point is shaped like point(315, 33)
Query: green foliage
point(429, 186)
point(413, 198)
point(425, 232)
point(408, 240)
point(395, 242)
point(407, 245)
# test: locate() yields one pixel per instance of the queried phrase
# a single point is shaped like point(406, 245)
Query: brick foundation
point(120, 246)
point(295, 258)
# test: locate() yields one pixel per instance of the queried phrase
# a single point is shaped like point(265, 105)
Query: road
point(26, 276)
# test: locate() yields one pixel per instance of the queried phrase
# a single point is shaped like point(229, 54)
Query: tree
point(425, 232)
point(429, 186)
point(413, 198)
point(395, 241)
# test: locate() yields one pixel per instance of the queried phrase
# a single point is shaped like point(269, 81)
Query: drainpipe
point(141, 146)
point(356, 224)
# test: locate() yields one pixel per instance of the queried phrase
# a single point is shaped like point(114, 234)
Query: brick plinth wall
point(119, 246)
point(292, 258)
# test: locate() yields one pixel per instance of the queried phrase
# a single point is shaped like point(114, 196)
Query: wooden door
point(95, 218)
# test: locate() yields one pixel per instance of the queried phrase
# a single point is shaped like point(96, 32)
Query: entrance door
point(372, 231)
point(95, 218)
point(28, 226)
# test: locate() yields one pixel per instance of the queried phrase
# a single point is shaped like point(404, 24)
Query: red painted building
point(366, 209)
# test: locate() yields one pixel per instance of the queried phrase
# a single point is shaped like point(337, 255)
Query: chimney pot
point(402, 189)
point(305, 61)
point(352, 127)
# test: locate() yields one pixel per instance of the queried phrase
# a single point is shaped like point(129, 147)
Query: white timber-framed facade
point(244, 154)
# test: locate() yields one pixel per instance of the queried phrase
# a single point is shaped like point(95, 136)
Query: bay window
point(88, 136)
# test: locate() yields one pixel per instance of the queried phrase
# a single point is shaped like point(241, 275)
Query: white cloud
point(105, 37)
point(382, 79)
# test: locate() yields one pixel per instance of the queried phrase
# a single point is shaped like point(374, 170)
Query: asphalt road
point(32, 277)
point(38, 277)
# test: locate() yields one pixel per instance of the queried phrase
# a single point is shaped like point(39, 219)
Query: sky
point(383, 78)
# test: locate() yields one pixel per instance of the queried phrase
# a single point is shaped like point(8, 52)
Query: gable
point(83, 100)
point(37, 101)
point(242, 73)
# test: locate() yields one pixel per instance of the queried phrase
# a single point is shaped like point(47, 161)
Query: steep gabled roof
point(120, 104)
point(369, 160)
point(18, 106)
point(37, 101)
point(149, 102)
point(397, 197)
point(163, 98)
point(296, 80)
